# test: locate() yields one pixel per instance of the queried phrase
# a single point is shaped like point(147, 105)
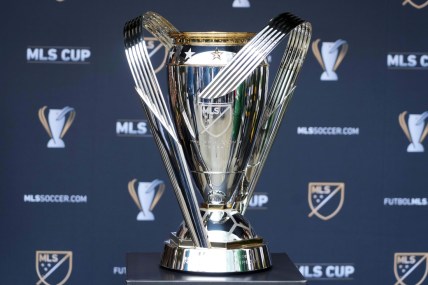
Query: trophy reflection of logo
point(241, 4)
point(215, 135)
point(319, 194)
point(330, 57)
point(53, 267)
point(157, 53)
point(417, 6)
point(415, 130)
point(149, 194)
point(56, 126)
point(410, 267)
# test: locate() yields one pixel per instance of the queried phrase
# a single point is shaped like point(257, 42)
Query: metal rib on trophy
point(215, 135)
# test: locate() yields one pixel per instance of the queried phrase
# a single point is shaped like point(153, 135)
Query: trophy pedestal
point(144, 268)
point(242, 258)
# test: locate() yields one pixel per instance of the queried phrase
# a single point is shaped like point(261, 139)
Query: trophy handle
point(159, 27)
point(317, 54)
point(133, 193)
point(42, 118)
point(403, 125)
point(161, 125)
point(278, 99)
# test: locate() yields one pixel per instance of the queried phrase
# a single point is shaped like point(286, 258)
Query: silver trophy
point(216, 133)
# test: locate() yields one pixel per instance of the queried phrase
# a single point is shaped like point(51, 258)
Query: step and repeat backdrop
point(344, 191)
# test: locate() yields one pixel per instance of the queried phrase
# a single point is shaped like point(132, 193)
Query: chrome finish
point(216, 260)
point(278, 99)
point(250, 56)
point(235, 246)
point(217, 132)
point(159, 27)
point(160, 121)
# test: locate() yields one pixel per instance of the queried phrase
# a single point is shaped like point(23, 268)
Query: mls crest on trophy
point(215, 130)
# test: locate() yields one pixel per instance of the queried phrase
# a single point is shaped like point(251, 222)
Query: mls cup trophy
point(217, 131)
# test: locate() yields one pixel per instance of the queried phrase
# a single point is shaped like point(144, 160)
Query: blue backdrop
point(343, 191)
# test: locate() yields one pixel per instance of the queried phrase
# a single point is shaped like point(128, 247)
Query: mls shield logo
point(410, 268)
point(157, 52)
point(325, 199)
point(417, 6)
point(149, 194)
point(216, 118)
point(53, 267)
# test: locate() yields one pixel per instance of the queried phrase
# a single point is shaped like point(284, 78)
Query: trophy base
point(248, 256)
point(143, 268)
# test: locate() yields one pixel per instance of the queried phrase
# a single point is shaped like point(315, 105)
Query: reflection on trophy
point(57, 126)
point(216, 131)
point(149, 194)
point(415, 130)
point(330, 58)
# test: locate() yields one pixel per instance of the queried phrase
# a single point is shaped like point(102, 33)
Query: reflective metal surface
point(217, 134)
point(216, 260)
point(143, 268)
point(217, 131)
point(162, 129)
